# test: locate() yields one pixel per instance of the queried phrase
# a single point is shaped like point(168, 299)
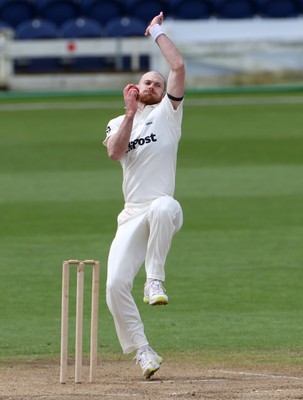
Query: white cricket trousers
point(144, 234)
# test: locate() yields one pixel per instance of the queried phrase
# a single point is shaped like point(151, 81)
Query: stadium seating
point(82, 28)
point(72, 19)
point(235, 9)
point(191, 9)
point(58, 11)
point(37, 29)
point(279, 8)
point(13, 12)
point(146, 9)
point(102, 10)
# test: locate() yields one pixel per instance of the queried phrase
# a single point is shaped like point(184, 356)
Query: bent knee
point(168, 207)
point(165, 205)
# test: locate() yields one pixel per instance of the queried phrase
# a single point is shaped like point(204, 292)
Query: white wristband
point(155, 31)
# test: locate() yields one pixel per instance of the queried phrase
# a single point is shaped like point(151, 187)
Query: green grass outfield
point(235, 271)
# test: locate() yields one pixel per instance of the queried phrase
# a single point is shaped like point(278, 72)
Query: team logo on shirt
point(141, 141)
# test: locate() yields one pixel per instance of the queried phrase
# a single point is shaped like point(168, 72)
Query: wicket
point(79, 319)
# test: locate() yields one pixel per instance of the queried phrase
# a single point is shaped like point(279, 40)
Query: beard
point(148, 98)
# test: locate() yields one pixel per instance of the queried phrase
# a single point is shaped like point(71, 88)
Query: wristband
point(155, 31)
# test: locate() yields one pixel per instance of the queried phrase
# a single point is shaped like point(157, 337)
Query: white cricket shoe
point(149, 361)
point(154, 293)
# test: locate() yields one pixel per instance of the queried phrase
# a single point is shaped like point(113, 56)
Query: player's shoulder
point(113, 125)
point(167, 104)
point(116, 120)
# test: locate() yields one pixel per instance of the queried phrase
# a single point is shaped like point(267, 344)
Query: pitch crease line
point(261, 375)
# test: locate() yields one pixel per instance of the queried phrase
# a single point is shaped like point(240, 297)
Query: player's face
point(151, 88)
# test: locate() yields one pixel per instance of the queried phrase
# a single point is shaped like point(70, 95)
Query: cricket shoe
point(149, 361)
point(154, 293)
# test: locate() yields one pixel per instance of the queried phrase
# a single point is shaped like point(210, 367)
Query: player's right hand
point(131, 97)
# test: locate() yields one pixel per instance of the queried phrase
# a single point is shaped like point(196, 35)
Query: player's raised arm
point(175, 81)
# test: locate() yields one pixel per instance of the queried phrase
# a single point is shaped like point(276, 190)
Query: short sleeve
point(113, 127)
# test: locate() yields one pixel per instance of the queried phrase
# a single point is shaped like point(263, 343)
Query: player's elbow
point(114, 155)
point(114, 151)
point(179, 66)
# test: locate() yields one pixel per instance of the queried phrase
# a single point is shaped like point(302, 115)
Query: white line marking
point(239, 101)
point(242, 101)
point(161, 381)
point(260, 375)
point(60, 106)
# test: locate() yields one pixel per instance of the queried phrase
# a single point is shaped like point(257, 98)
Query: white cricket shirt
point(149, 165)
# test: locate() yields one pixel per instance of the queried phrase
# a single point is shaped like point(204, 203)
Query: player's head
point(152, 87)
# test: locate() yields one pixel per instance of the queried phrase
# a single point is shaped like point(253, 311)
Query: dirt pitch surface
point(122, 380)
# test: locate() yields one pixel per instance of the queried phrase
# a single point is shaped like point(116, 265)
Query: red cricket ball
point(134, 88)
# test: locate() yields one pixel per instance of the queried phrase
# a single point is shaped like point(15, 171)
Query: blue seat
point(279, 8)
point(14, 12)
point(124, 27)
point(58, 11)
point(82, 28)
point(128, 27)
point(4, 25)
point(191, 9)
point(235, 9)
point(145, 10)
point(103, 10)
point(37, 29)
